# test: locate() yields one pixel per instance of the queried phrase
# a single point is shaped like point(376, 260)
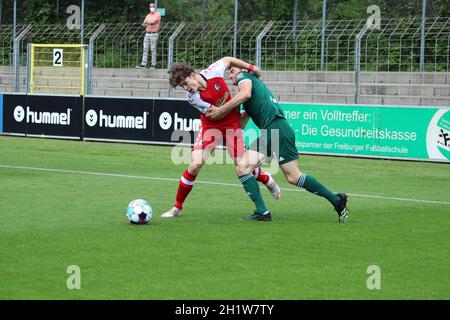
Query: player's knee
point(292, 179)
point(243, 169)
point(194, 168)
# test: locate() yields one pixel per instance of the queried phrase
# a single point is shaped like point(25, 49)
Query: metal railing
point(13, 52)
point(277, 45)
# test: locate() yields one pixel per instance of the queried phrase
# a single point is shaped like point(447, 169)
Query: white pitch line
point(104, 174)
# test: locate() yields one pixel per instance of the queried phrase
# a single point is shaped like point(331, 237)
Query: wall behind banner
point(408, 133)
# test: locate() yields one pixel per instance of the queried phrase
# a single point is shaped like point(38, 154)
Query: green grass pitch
point(74, 214)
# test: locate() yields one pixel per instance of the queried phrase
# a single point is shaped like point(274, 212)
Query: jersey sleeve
point(217, 69)
point(242, 76)
point(197, 102)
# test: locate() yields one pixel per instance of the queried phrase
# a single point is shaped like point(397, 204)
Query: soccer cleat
point(141, 66)
point(174, 212)
point(341, 207)
point(259, 217)
point(273, 187)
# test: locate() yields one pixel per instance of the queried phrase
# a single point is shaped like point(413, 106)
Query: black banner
point(42, 115)
point(118, 119)
point(175, 121)
point(143, 120)
point(167, 121)
point(1, 113)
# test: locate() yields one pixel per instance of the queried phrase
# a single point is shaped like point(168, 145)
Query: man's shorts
point(277, 140)
point(209, 137)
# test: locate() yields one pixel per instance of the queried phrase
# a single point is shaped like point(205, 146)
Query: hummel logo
point(165, 120)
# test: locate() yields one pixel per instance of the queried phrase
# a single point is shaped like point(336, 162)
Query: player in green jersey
point(277, 139)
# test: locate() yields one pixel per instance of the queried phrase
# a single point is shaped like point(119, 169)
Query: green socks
point(252, 189)
point(314, 186)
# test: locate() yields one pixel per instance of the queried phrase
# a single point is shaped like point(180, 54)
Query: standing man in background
point(151, 23)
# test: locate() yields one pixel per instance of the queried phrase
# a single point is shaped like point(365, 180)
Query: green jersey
point(262, 107)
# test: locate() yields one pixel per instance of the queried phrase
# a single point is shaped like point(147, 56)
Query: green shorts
point(277, 140)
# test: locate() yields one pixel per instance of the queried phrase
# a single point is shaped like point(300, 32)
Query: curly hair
point(178, 73)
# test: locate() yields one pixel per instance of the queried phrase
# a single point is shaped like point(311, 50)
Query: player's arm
point(241, 64)
point(244, 119)
point(196, 101)
point(244, 94)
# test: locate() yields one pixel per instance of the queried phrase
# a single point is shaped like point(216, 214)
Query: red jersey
point(216, 93)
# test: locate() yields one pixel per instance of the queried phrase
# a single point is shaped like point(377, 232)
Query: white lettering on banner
point(186, 124)
point(374, 133)
point(123, 122)
point(165, 120)
point(338, 115)
point(292, 115)
point(183, 124)
point(39, 117)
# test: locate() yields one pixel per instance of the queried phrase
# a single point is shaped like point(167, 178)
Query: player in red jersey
point(205, 89)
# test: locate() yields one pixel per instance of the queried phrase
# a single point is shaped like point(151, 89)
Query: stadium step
point(282, 87)
point(397, 88)
point(136, 92)
point(438, 78)
point(131, 83)
point(131, 73)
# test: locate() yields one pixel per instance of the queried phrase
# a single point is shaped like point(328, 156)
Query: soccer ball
point(139, 211)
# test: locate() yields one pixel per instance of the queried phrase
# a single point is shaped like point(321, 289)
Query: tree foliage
point(133, 11)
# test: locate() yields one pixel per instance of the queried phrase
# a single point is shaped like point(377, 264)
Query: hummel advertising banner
point(175, 121)
point(39, 115)
point(118, 119)
point(140, 120)
point(372, 131)
point(414, 133)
